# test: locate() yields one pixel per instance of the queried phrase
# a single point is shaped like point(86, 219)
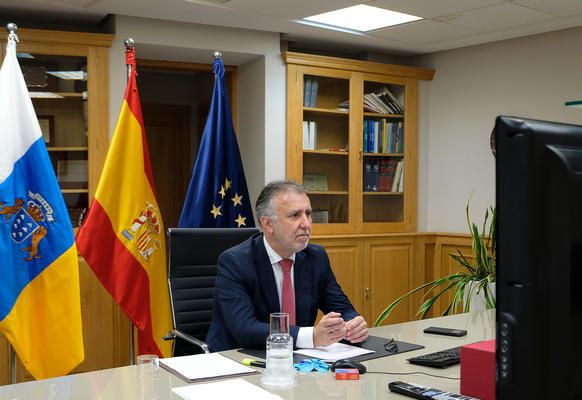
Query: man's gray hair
point(264, 204)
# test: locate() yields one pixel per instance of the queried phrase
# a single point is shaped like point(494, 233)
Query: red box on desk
point(478, 370)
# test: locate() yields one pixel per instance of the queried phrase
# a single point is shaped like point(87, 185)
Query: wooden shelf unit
point(340, 81)
point(374, 251)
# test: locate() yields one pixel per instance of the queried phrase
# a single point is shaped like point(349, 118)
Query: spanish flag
point(122, 237)
point(40, 305)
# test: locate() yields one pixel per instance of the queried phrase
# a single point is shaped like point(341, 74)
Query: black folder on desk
point(375, 343)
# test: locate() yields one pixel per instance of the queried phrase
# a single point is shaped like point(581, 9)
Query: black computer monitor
point(539, 259)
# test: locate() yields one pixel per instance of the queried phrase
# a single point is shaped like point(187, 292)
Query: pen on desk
point(254, 363)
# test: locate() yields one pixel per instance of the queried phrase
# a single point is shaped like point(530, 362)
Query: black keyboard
point(439, 359)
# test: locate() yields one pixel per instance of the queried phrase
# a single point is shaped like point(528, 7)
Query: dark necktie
point(288, 294)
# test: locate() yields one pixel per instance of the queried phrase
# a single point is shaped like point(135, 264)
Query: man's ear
point(266, 224)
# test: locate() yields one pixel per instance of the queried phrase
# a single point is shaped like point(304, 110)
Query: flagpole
point(11, 28)
point(130, 47)
point(12, 365)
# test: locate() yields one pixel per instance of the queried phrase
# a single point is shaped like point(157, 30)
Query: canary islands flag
point(122, 237)
point(40, 306)
point(218, 195)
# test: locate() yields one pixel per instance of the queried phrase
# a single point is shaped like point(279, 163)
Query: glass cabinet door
point(58, 88)
point(383, 145)
point(325, 147)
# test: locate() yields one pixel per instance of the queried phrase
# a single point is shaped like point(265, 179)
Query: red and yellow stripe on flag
point(122, 237)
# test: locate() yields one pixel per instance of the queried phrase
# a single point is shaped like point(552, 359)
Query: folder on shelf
point(313, 92)
point(306, 90)
point(312, 135)
point(306, 135)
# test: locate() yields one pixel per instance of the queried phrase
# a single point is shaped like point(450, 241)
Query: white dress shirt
point(305, 335)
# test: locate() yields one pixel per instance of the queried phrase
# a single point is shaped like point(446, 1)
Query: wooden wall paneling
point(4, 361)
point(445, 265)
point(345, 256)
point(391, 274)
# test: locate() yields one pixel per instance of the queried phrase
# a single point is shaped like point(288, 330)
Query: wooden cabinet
point(352, 141)
point(67, 76)
point(358, 163)
point(375, 270)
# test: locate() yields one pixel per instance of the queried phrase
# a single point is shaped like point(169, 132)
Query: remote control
point(423, 392)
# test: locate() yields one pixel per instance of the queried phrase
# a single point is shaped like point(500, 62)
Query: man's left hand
point(356, 330)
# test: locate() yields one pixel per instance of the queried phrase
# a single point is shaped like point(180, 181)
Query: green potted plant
point(475, 277)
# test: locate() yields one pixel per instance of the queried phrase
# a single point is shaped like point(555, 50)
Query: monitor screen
point(539, 259)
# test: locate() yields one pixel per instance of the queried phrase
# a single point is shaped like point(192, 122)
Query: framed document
point(47, 127)
point(315, 182)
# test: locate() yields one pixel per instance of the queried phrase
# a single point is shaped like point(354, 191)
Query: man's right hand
point(330, 329)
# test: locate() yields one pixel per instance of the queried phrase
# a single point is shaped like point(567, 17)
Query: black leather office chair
point(193, 253)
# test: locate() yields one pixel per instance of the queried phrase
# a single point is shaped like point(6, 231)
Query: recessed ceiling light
point(362, 18)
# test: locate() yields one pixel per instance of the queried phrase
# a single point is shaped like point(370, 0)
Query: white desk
point(122, 383)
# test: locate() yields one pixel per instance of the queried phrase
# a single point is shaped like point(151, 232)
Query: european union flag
point(217, 194)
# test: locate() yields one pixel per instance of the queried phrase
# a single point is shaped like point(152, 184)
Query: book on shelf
point(401, 181)
point(387, 171)
point(307, 83)
point(315, 182)
point(382, 101)
point(344, 105)
point(312, 135)
point(305, 135)
point(397, 176)
point(390, 98)
point(371, 175)
point(313, 92)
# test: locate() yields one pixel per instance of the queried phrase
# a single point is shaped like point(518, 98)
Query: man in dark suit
point(278, 271)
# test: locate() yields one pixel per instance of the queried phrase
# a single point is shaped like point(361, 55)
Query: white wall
point(251, 119)
point(263, 98)
point(527, 77)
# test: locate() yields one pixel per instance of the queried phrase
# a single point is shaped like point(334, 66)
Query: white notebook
point(231, 389)
point(204, 366)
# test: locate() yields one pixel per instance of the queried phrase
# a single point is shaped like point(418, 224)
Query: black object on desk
point(424, 392)
point(349, 364)
point(445, 331)
point(376, 343)
point(439, 359)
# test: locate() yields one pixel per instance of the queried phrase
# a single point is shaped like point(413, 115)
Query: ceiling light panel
point(362, 18)
point(432, 8)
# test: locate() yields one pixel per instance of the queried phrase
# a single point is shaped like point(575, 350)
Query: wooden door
point(392, 272)
point(345, 256)
point(168, 135)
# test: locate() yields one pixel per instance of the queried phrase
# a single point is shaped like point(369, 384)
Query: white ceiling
point(448, 24)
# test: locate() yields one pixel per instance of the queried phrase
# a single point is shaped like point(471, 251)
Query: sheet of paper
point(334, 352)
point(230, 389)
point(204, 366)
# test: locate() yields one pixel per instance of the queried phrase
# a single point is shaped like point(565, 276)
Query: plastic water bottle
point(279, 371)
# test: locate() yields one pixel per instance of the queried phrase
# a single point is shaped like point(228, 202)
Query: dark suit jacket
point(246, 294)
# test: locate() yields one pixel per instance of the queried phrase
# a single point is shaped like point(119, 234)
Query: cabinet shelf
point(80, 95)
point(382, 193)
point(339, 111)
point(67, 148)
point(328, 192)
point(75, 190)
point(373, 114)
point(383, 154)
point(327, 152)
